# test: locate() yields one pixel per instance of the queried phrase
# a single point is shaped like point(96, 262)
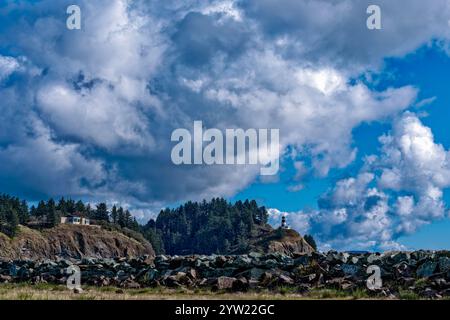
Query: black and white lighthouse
point(283, 223)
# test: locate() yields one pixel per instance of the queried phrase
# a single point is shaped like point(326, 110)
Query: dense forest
point(206, 227)
point(210, 227)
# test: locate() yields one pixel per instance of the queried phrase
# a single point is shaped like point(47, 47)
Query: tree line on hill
point(14, 211)
point(207, 227)
point(214, 227)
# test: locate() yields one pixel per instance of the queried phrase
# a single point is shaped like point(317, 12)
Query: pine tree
point(23, 213)
point(89, 212)
point(121, 217)
point(70, 206)
point(51, 205)
point(114, 214)
point(79, 207)
point(62, 206)
point(53, 218)
point(101, 213)
point(9, 221)
point(128, 219)
point(41, 210)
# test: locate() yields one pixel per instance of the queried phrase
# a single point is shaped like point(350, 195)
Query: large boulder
point(225, 283)
point(426, 269)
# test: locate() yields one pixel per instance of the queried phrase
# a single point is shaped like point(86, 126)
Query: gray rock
point(122, 275)
point(444, 264)
point(5, 278)
point(285, 280)
point(350, 270)
point(201, 264)
point(354, 260)
point(242, 262)
point(88, 261)
point(338, 257)
point(220, 261)
point(426, 269)
point(161, 258)
point(241, 285)
point(267, 277)
point(302, 260)
point(430, 293)
point(253, 273)
point(151, 275)
point(130, 284)
point(255, 255)
point(13, 270)
point(271, 264)
point(78, 290)
point(373, 258)
point(396, 257)
point(225, 283)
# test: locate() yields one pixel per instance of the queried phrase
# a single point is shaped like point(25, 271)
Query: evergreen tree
point(101, 213)
point(134, 225)
point(41, 210)
point(114, 216)
point(89, 212)
point(80, 207)
point(121, 220)
point(51, 205)
point(9, 221)
point(53, 218)
point(23, 213)
point(62, 206)
point(70, 206)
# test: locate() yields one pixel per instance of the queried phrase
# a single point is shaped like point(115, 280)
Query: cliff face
point(76, 242)
point(288, 242)
point(284, 241)
point(70, 241)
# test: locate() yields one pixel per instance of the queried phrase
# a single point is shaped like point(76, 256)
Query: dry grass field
point(55, 292)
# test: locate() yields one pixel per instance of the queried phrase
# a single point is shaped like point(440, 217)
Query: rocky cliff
point(73, 242)
point(283, 241)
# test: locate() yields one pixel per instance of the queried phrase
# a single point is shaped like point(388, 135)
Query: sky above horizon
point(363, 114)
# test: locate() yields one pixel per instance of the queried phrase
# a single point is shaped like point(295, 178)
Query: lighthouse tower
point(283, 223)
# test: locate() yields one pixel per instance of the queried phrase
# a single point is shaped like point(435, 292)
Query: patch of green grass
point(287, 290)
point(359, 293)
point(408, 295)
point(48, 286)
point(143, 291)
point(84, 297)
point(421, 283)
point(327, 294)
point(24, 296)
point(105, 289)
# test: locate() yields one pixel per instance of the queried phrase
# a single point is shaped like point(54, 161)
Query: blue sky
point(428, 68)
point(362, 114)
